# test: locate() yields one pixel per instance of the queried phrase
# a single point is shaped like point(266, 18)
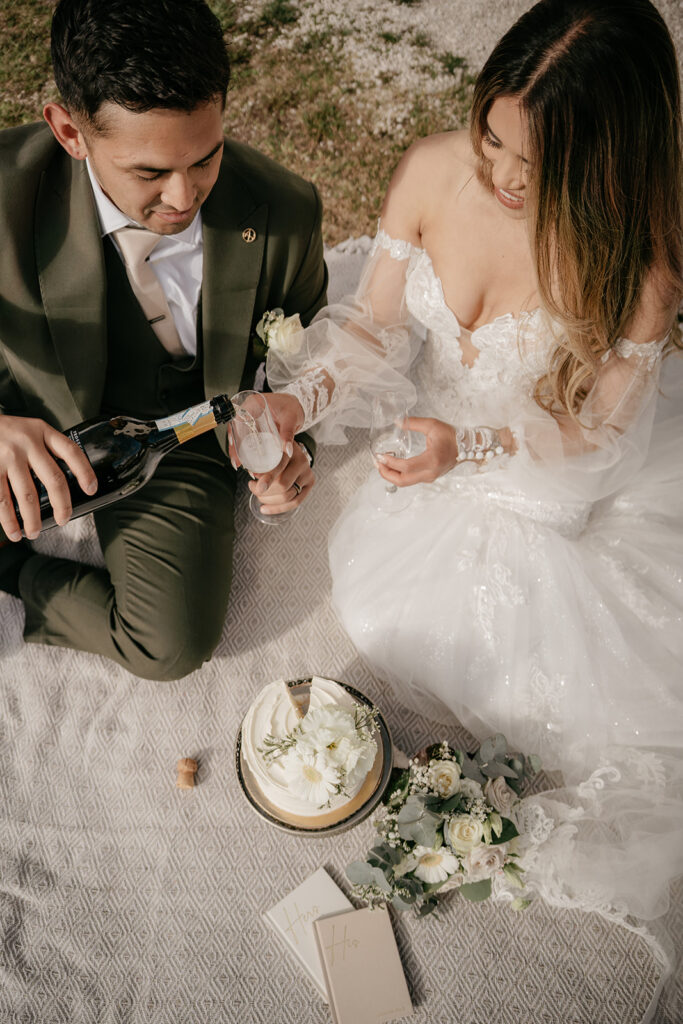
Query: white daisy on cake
point(310, 776)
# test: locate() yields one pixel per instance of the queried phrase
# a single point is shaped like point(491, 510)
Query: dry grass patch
point(334, 91)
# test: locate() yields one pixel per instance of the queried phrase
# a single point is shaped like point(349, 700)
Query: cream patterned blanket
point(124, 899)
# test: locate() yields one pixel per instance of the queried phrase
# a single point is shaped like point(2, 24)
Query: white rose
point(500, 796)
point(463, 833)
point(285, 334)
point(470, 789)
point(444, 777)
point(483, 861)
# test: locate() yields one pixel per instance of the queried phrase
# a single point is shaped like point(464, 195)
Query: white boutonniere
point(283, 334)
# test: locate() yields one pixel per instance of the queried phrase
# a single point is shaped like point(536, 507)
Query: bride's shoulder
point(426, 173)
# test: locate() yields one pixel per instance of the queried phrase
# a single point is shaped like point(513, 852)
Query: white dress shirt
point(177, 261)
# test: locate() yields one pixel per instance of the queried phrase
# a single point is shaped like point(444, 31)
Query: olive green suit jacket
point(53, 325)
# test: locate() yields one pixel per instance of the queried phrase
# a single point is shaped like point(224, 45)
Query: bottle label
point(74, 436)
point(189, 423)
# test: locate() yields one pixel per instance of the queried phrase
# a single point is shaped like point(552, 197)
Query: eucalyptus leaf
point(433, 886)
point(432, 800)
point(386, 855)
point(414, 886)
point(500, 745)
point(361, 873)
point(471, 770)
point(428, 907)
point(422, 832)
point(492, 769)
point(476, 891)
point(401, 904)
point(487, 751)
point(450, 805)
point(412, 810)
point(534, 762)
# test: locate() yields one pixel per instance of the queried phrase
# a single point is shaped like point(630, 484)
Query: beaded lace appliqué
point(648, 353)
point(397, 248)
point(313, 394)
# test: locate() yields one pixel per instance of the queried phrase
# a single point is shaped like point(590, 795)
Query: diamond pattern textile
point(124, 899)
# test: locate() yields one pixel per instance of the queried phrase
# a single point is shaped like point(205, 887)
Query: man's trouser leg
point(159, 607)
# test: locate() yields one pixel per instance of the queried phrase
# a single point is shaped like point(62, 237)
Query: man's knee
point(172, 655)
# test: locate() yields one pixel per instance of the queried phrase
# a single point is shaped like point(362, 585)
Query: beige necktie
point(136, 244)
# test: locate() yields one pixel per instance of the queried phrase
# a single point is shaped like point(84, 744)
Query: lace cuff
point(314, 391)
point(648, 353)
point(397, 248)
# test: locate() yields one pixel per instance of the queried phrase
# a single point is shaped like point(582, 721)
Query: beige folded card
point(362, 968)
point(293, 917)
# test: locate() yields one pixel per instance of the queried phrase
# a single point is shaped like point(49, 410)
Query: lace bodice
point(397, 334)
point(512, 354)
point(513, 351)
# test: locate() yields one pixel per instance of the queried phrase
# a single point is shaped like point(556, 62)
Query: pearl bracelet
point(477, 443)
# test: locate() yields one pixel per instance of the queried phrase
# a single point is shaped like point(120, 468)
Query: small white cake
point(316, 770)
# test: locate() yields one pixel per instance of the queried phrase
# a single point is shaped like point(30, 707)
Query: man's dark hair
point(140, 54)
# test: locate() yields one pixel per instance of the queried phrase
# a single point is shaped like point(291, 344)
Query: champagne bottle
point(124, 453)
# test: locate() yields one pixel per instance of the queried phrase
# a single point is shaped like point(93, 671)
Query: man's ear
point(65, 130)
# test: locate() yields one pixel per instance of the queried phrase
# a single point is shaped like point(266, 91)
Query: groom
point(137, 141)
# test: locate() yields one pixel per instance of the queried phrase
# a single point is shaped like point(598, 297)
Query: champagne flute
point(258, 445)
point(389, 437)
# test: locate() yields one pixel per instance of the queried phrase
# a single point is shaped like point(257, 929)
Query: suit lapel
point(70, 265)
point(234, 231)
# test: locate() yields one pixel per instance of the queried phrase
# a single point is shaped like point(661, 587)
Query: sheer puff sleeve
point(355, 349)
point(594, 457)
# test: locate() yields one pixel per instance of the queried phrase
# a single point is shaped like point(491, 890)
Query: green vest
point(142, 379)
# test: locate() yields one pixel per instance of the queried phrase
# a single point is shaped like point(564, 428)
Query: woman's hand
point(439, 456)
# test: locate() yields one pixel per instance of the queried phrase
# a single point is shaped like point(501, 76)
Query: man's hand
point(288, 485)
point(31, 445)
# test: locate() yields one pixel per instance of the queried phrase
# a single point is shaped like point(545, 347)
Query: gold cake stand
point(330, 824)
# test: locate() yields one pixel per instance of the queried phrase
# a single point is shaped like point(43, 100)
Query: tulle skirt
point(560, 626)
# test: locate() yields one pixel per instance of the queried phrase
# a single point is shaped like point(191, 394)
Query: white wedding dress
point(539, 595)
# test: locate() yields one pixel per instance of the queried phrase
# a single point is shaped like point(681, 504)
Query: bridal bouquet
point(445, 825)
point(328, 753)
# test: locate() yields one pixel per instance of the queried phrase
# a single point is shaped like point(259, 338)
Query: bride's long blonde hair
point(598, 83)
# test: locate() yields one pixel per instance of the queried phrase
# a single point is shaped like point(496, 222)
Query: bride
point(521, 297)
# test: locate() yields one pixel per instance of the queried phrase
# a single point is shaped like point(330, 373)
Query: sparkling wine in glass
point(388, 436)
point(258, 445)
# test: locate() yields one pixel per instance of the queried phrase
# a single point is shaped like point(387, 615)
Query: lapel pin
point(249, 235)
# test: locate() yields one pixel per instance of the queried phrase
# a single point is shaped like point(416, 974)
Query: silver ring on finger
point(297, 487)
